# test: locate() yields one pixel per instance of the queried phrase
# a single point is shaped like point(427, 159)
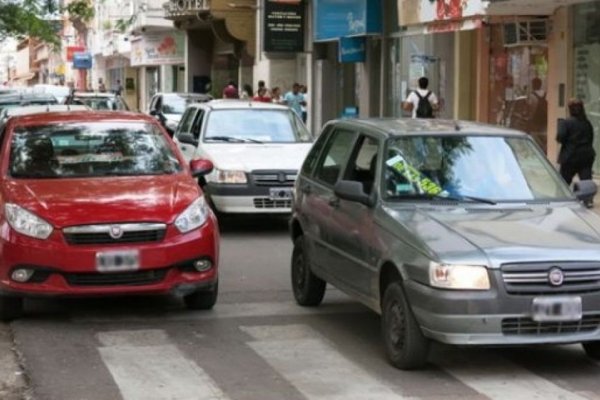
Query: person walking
point(576, 137)
point(421, 102)
point(294, 99)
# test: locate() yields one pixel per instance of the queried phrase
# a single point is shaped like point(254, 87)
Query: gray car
point(457, 232)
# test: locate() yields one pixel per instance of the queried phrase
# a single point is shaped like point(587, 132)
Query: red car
point(101, 203)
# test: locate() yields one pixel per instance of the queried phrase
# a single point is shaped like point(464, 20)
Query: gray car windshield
point(255, 125)
point(476, 167)
point(91, 149)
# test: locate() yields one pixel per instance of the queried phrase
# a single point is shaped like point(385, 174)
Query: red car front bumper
point(63, 269)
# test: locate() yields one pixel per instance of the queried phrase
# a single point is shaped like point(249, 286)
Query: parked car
point(169, 107)
point(101, 203)
point(100, 101)
point(19, 99)
point(454, 232)
point(256, 148)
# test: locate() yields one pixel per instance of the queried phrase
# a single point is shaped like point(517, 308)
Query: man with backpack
point(421, 102)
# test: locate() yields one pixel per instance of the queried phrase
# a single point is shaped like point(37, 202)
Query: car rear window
point(89, 149)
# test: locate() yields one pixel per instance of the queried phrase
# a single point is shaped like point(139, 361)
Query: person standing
point(294, 99)
point(576, 136)
point(118, 88)
point(262, 96)
point(276, 95)
point(101, 85)
point(421, 102)
point(247, 92)
point(230, 91)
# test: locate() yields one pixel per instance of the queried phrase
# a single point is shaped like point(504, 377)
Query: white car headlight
point(460, 277)
point(26, 222)
point(226, 176)
point(193, 217)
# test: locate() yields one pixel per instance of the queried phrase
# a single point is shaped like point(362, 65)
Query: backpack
point(539, 115)
point(424, 108)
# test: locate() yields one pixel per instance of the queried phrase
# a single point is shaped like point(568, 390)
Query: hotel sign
point(181, 8)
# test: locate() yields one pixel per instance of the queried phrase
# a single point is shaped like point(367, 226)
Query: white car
point(256, 148)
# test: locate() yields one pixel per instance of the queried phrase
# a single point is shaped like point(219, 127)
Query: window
point(186, 121)
point(336, 154)
point(197, 125)
point(313, 156)
point(362, 166)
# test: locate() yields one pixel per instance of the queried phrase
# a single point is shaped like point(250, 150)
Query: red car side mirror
point(201, 167)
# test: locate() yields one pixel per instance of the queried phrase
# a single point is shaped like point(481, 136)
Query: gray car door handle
point(334, 202)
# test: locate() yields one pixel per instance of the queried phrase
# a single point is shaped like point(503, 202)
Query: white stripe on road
point(313, 366)
point(234, 310)
point(145, 366)
point(499, 379)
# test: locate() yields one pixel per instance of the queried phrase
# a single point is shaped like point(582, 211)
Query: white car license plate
point(280, 193)
point(117, 261)
point(556, 308)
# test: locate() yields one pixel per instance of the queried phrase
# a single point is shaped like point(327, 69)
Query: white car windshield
point(91, 149)
point(460, 167)
point(255, 125)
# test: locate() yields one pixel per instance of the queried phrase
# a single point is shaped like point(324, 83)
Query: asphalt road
point(258, 345)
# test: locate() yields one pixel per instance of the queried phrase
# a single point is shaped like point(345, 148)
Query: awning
point(444, 26)
point(527, 7)
point(23, 77)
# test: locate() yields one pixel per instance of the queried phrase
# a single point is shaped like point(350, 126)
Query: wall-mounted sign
point(283, 22)
point(82, 60)
point(160, 48)
point(413, 12)
point(73, 49)
point(334, 19)
point(175, 9)
point(352, 49)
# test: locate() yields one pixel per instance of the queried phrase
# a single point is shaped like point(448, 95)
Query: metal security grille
point(115, 233)
point(527, 326)
point(532, 279)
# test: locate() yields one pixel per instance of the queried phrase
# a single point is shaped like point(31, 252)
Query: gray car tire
point(11, 308)
point(308, 288)
point(592, 349)
point(202, 299)
point(405, 345)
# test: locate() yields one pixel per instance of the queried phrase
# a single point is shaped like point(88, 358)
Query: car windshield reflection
point(254, 125)
point(482, 168)
point(91, 149)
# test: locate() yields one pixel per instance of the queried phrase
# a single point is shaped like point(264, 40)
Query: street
point(258, 345)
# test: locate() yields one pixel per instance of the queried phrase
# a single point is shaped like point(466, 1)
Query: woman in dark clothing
point(576, 136)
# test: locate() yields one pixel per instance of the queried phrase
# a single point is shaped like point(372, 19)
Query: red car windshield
point(88, 149)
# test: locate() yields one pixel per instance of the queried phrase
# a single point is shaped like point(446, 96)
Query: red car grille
point(121, 278)
point(105, 238)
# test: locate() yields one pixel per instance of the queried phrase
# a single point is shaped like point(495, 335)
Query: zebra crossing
point(149, 364)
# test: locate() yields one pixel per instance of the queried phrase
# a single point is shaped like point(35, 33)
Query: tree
point(20, 18)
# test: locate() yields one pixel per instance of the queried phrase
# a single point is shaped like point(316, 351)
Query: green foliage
point(80, 11)
point(122, 25)
point(26, 18)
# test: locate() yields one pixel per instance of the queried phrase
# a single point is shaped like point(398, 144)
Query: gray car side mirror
point(353, 191)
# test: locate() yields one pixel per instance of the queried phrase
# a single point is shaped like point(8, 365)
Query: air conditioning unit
point(524, 33)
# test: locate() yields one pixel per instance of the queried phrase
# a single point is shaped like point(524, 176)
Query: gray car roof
point(412, 126)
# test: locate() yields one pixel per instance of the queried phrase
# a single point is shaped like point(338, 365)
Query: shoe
point(589, 204)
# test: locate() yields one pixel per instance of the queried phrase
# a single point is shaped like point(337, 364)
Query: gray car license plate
point(280, 193)
point(117, 261)
point(556, 308)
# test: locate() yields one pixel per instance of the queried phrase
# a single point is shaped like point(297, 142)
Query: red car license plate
point(118, 260)
point(556, 308)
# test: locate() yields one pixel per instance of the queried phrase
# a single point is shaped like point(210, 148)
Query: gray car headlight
point(227, 176)
point(193, 217)
point(26, 222)
point(459, 277)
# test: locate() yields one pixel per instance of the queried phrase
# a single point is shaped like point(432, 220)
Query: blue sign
point(352, 49)
point(334, 19)
point(350, 112)
point(82, 60)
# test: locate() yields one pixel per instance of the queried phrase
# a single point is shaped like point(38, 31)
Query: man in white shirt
point(428, 99)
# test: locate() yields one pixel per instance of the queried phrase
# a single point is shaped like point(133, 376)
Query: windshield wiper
point(428, 196)
point(231, 139)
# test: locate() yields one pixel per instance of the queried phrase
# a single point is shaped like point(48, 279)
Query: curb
point(13, 385)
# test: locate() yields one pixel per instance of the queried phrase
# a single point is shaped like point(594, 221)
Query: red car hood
point(67, 202)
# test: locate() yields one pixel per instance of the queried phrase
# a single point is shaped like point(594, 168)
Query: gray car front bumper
point(476, 318)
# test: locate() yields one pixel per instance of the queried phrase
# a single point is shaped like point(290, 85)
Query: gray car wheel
point(202, 299)
point(10, 308)
point(405, 345)
point(592, 349)
point(308, 288)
